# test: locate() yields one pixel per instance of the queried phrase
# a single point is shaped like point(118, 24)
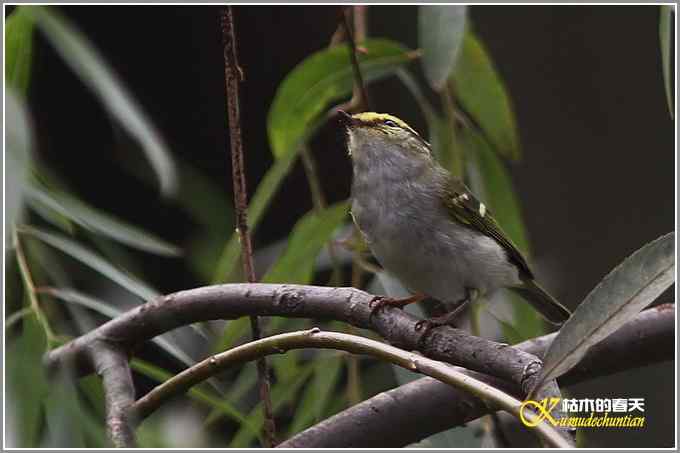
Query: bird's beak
point(345, 119)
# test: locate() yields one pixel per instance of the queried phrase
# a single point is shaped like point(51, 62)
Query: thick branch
point(111, 363)
point(233, 75)
point(315, 338)
point(403, 415)
point(343, 304)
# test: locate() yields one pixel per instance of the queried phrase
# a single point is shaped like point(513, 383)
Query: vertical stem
point(233, 76)
point(358, 78)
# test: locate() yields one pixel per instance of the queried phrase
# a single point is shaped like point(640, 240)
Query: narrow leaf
point(100, 222)
point(92, 260)
point(665, 24)
point(622, 294)
point(103, 308)
point(317, 395)
point(322, 78)
point(440, 35)
point(309, 235)
point(480, 90)
point(86, 61)
point(256, 209)
point(18, 50)
point(18, 140)
point(160, 375)
point(283, 392)
point(27, 384)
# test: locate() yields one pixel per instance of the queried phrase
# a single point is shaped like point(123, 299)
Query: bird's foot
point(444, 320)
point(380, 301)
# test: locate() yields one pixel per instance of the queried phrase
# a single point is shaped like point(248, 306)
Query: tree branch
point(315, 338)
point(111, 364)
point(351, 305)
point(233, 75)
point(403, 415)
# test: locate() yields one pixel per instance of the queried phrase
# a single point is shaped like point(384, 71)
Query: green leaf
point(665, 21)
point(100, 222)
point(283, 392)
point(86, 61)
point(480, 90)
point(622, 294)
point(18, 50)
point(92, 260)
point(101, 307)
point(256, 209)
point(440, 35)
point(195, 393)
point(309, 235)
point(490, 181)
point(64, 414)
point(18, 140)
point(317, 395)
point(27, 384)
point(322, 78)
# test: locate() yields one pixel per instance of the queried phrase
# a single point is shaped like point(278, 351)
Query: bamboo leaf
point(309, 235)
point(99, 222)
point(440, 35)
point(480, 90)
point(622, 294)
point(665, 25)
point(92, 260)
point(18, 50)
point(86, 61)
point(320, 79)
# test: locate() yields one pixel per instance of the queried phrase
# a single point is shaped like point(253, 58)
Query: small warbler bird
point(425, 227)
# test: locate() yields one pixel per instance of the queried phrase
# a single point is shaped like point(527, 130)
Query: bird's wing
point(466, 209)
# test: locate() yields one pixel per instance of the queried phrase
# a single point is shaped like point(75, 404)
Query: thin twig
point(29, 284)
point(315, 338)
point(233, 75)
point(364, 102)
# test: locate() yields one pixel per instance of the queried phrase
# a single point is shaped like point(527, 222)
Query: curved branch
point(315, 338)
point(111, 363)
point(350, 305)
point(401, 416)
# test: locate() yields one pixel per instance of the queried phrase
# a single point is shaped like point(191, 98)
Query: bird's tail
point(553, 311)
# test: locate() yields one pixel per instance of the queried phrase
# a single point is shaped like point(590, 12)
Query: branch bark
point(111, 364)
point(403, 415)
point(233, 75)
point(350, 305)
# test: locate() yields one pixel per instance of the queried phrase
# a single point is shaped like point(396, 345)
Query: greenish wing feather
point(466, 209)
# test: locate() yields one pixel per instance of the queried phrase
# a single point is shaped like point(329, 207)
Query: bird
point(426, 228)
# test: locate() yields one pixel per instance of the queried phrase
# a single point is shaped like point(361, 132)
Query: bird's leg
point(447, 318)
point(381, 301)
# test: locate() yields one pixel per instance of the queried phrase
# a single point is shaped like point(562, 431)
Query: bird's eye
point(390, 123)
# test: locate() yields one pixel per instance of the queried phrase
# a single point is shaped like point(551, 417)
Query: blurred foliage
point(473, 131)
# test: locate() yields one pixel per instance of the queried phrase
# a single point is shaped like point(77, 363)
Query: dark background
point(596, 180)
